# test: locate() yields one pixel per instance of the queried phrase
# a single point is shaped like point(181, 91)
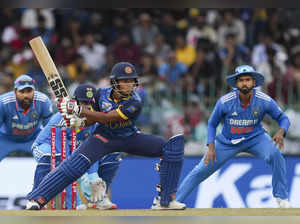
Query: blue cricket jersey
point(129, 109)
point(19, 126)
point(243, 124)
point(45, 135)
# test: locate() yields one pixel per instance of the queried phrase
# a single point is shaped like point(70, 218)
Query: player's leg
point(172, 154)
point(266, 149)
point(200, 172)
point(6, 147)
point(42, 155)
point(108, 166)
point(68, 171)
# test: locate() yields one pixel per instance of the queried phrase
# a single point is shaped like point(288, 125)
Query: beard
point(25, 103)
point(245, 90)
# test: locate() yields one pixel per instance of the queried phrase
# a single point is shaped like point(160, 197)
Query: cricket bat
point(42, 55)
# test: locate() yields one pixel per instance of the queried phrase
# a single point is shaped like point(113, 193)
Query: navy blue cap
point(24, 81)
point(123, 70)
point(85, 92)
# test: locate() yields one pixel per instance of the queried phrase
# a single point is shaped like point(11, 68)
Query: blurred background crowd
point(182, 56)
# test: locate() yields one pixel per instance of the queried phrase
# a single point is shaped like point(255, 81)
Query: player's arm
point(279, 116)
point(283, 121)
point(129, 110)
point(47, 112)
point(213, 123)
point(2, 113)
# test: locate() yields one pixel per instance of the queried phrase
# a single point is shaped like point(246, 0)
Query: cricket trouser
point(8, 146)
point(261, 146)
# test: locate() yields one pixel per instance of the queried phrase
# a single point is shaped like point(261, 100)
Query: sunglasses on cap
point(25, 82)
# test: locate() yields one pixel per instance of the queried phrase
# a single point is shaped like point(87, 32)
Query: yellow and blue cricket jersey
point(129, 109)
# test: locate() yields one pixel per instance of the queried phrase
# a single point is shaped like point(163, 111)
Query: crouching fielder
point(98, 177)
point(242, 111)
point(116, 110)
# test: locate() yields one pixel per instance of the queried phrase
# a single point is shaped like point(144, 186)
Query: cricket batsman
point(242, 111)
point(117, 108)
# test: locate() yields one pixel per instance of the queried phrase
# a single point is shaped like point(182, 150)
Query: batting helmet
point(85, 92)
point(245, 70)
point(123, 70)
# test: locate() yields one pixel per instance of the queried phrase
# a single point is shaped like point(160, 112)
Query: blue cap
point(24, 81)
point(85, 92)
point(245, 70)
point(123, 70)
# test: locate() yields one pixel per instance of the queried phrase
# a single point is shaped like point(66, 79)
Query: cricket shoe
point(32, 205)
point(173, 205)
point(283, 203)
point(104, 204)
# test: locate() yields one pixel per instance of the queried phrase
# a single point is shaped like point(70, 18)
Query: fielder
point(117, 108)
point(22, 113)
point(242, 111)
point(98, 177)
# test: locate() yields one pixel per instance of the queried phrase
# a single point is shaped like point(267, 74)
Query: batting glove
point(98, 188)
point(68, 106)
point(77, 122)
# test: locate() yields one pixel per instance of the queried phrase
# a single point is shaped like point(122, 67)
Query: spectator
point(259, 54)
point(291, 79)
point(233, 54)
point(65, 51)
point(171, 73)
point(125, 50)
point(92, 52)
point(167, 27)
point(144, 33)
point(185, 53)
point(202, 74)
point(159, 49)
point(29, 19)
point(200, 30)
point(41, 30)
point(231, 24)
point(12, 35)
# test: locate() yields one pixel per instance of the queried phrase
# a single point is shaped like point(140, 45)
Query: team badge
point(106, 106)
point(34, 115)
point(89, 93)
point(255, 112)
point(128, 69)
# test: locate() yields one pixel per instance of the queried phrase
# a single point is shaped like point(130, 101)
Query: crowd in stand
point(182, 55)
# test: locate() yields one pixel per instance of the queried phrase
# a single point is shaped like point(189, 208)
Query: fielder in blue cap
point(242, 111)
point(22, 113)
point(116, 111)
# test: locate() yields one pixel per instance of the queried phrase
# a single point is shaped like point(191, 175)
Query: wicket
point(63, 136)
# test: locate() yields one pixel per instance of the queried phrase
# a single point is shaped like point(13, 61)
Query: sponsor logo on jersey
point(34, 115)
point(15, 117)
point(240, 122)
point(255, 112)
point(234, 113)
